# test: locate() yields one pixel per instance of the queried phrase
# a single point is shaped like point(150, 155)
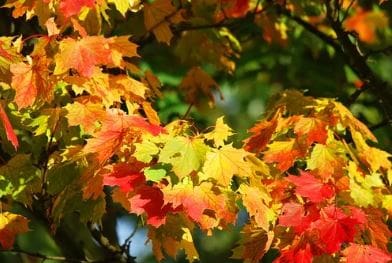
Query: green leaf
point(19, 178)
point(154, 175)
point(184, 154)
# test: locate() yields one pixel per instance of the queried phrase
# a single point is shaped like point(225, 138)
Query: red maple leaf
point(293, 215)
point(334, 228)
point(73, 7)
point(315, 130)
point(9, 131)
point(235, 8)
point(149, 200)
point(309, 186)
point(125, 175)
point(295, 255)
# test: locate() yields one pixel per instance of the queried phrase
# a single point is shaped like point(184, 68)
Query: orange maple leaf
point(356, 253)
point(83, 55)
point(10, 226)
point(366, 23)
point(72, 7)
point(30, 80)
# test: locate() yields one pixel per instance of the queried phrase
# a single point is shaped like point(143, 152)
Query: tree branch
point(358, 64)
point(355, 95)
point(46, 257)
point(324, 37)
point(381, 124)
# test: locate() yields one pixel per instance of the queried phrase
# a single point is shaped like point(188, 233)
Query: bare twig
point(381, 124)
point(45, 257)
point(386, 50)
point(355, 95)
point(347, 10)
point(127, 243)
point(187, 112)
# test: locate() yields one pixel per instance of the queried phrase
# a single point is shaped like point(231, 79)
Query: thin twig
point(125, 246)
point(327, 39)
point(187, 111)
point(381, 124)
point(386, 50)
point(355, 95)
point(45, 257)
point(257, 5)
point(347, 10)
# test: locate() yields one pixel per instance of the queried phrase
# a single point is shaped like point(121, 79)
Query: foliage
point(81, 133)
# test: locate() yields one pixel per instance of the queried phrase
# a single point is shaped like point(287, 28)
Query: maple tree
point(82, 133)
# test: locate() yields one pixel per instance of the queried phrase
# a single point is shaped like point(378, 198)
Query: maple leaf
point(156, 17)
point(72, 7)
point(10, 226)
point(9, 131)
point(196, 84)
point(113, 130)
point(85, 114)
point(121, 47)
point(173, 236)
point(348, 120)
point(51, 27)
point(325, 160)
point(293, 215)
point(356, 253)
point(220, 133)
point(124, 5)
point(366, 23)
point(223, 163)
point(312, 128)
point(379, 232)
point(254, 244)
point(145, 151)
point(371, 156)
point(335, 227)
point(19, 179)
point(302, 255)
point(197, 200)
point(274, 31)
point(284, 153)
point(149, 200)
point(262, 133)
point(309, 186)
point(256, 202)
point(361, 186)
point(151, 114)
point(125, 175)
point(30, 81)
point(82, 55)
point(127, 87)
point(184, 154)
point(235, 8)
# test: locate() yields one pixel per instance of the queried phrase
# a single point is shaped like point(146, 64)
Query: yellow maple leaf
point(256, 201)
point(220, 133)
point(156, 17)
point(222, 164)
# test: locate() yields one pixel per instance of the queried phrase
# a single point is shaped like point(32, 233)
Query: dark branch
point(355, 95)
point(45, 257)
point(381, 124)
point(324, 37)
